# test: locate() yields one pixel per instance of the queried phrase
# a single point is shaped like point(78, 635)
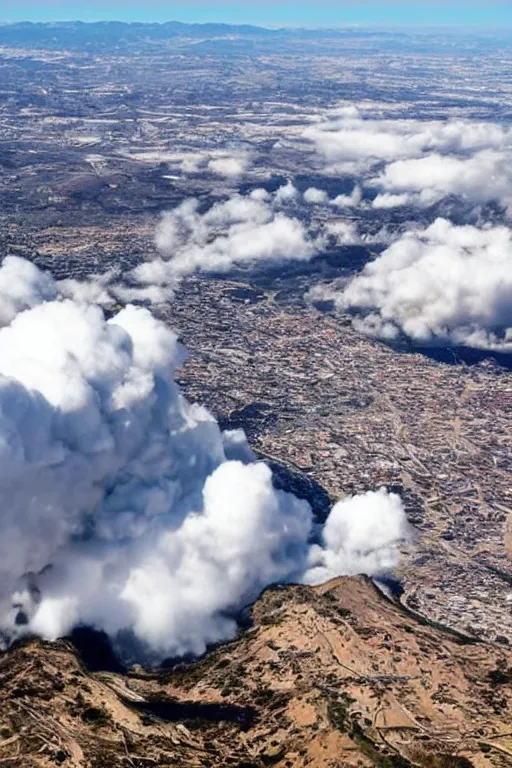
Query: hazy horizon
point(323, 14)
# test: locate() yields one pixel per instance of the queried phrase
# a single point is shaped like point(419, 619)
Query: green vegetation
point(369, 749)
point(502, 675)
point(337, 712)
point(447, 761)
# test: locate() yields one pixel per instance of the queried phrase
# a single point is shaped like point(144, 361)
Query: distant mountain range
point(79, 34)
point(91, 36)
point(165, 29)
point(104, 37)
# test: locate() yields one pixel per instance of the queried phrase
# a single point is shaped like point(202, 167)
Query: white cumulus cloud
point(376, 517)
point(22, 286)
point(123, 505)
point(243, 230)
point(417, 162)
point(445, 283)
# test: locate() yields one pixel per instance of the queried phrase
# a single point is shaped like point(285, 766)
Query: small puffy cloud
point(230, 166)
point(320, 197)
point(344, 232)
point(444, 284)
point(316, 196)
point(259, 194)
point(387, 200)
point(22, 286)
point(362, 534)
point(286, 194)
point(348, 201)
point(229, 163)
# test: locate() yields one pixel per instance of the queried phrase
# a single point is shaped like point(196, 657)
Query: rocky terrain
point(335, 675)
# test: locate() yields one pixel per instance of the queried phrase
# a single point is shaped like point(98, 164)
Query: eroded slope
point(330, 676)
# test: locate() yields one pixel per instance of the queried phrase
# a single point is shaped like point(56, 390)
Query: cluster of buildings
point(353, 414)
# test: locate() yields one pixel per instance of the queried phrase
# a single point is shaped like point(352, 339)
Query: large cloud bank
point(123, 505)
point(417, 162)
point(445, 283)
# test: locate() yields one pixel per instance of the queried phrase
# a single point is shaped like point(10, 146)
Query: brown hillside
point(333, 676)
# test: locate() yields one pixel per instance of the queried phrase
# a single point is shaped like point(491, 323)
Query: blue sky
point(268, 12)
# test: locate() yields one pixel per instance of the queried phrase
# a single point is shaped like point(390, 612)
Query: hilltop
point(335, 675)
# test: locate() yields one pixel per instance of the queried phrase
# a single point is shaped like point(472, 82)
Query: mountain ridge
point(327, 676)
